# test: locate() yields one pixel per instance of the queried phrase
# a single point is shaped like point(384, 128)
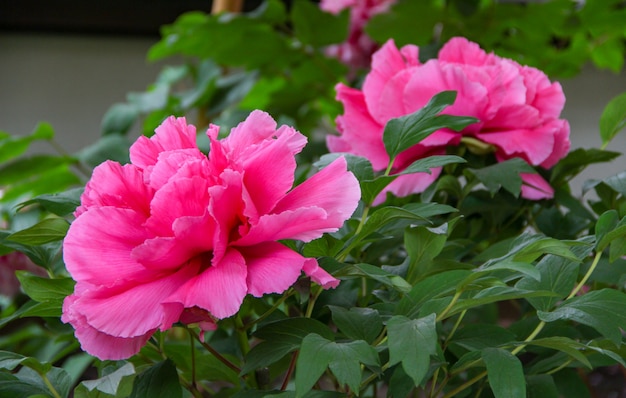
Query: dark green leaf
point(61, 204)
point(44, 289)
point(412, 342)
point(343, 359)
point(159, 381)
point(11, 147)
point(375, 273)
point(281, 337)
point(577, 160)
point(404, 132)
point(504, 174)
point(434, 286)
point(613, 118)
point(564, 344)
point(359, 166)
point(317, 28)
point(617, 182)
point(475, 337)
point(358, 323)
point(603, 310)
point(46, 231)
point(505, 373)
point(541, 386)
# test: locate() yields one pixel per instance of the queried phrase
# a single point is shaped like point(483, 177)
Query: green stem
point(215, 353)
point(580, 285)
point(312, 300)
point(465, 385)
point(242, 336)
point(454, 328)
point(48, 384)
point(449, 307)
point(564, 365)
point(193, 360)
point(530, 338)
point(267, 313)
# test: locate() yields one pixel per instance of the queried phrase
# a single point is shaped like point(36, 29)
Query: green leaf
point(505, 373)
point(617, 182)
point(504, 174)
point(158, 381)
point(316, 27)
point(577, 160)
point(358, 323)
point(603, 310)
point(613, 118)
point(46, 231)
point(11, 147)
point(494, 294)
point(44, 289)
point(541, 386)
point(343, 359)
point(404, 132)
point(516, 266)
point(119, 119)
point(434, 286)
point(281, 337)
point(375, 273)
point(109, 147)
point(564, 344)
point(61, 204)
point(610, 230)
point(423, 244)
point(412, 342)
point(359, 166)
point(116, 384)
point(475, 337)
point(370, 188)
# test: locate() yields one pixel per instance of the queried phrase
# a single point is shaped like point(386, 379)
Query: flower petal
point(219, 289)
point(534, 187)
point(98, 245)
point(96, 343)
point(319, 275)
point(272, 267)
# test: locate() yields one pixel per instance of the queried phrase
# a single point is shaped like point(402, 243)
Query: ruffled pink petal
point(533, 145)
point(462, 51)
point(433, 77)
point(547, 97)
point(562, 143)
point(386, 63)
point(181, 163)
point(98, 344)
point(359, 132)
point(272, 267)
point(269, 174)
point(131, 310)
point(172, 134)
point(112, 184)
point(219, 289)
point(408, 184)
point(227, 208)
point(333, 189)
point(319, 275)
point(98, 245)
point(181, 197)
point(534, 187)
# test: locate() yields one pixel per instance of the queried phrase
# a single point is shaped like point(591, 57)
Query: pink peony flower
point(358, 48)
point(518, 108)
point(179, 236)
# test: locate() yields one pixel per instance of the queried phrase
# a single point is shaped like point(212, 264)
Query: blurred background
point(67, 63)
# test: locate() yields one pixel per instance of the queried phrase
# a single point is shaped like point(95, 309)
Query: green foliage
point(467, 289)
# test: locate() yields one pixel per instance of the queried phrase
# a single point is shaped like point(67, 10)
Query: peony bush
point(292, 223)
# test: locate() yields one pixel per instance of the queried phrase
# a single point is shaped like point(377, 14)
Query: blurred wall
point(70, 81)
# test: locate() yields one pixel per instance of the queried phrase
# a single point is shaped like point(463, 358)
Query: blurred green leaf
point(109, 147)
point(613, 118)
point(505, 373)
point(119, 119)
point(316, 27)
point(46, 231)
point(61, 204)
point(13, 146)
point(577, 160)
point(45, 289)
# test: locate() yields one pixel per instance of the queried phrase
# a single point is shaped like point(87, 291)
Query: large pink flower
point(357, 50)
point(518, 108)
point(179, 236)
